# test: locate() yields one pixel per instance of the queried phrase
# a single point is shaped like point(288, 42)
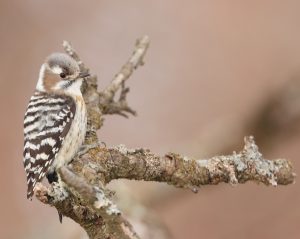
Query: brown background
point(210, 62)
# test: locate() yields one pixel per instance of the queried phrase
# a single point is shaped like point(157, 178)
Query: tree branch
point(181, 171)
point(120, 107)
point(90, 206)
point(83, 196)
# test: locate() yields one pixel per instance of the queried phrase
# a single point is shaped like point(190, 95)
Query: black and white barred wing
point(47, 121)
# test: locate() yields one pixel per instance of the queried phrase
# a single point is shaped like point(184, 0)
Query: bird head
point(60, 73)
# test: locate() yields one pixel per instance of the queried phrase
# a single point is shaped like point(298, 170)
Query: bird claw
point(86, 147)
point(41, 192)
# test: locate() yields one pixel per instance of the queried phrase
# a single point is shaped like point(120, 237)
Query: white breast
point(75, 137)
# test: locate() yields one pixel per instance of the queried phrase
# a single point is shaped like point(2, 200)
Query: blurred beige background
point(210, 65)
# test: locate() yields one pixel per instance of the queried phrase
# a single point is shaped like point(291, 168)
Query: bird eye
point(62, 75)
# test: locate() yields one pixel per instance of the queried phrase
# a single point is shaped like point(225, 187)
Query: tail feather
point(31, 182)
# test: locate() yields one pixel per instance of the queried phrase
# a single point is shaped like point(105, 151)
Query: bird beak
point(83, 74)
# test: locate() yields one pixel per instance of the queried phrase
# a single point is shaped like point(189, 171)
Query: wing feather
point(47, 121)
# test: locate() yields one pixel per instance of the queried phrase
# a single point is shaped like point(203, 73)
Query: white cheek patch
point(56, 70)
point(39, 85)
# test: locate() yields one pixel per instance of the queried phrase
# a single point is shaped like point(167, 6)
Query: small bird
point(55, 120)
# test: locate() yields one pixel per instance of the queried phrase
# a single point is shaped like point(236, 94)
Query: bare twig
point(120, 107)
point(136, 59)
point(71, 52)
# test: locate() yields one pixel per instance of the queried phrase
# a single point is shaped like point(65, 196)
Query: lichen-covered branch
point(103, 165)
point(84, 197)
point(182, 171)
point(90, 206)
